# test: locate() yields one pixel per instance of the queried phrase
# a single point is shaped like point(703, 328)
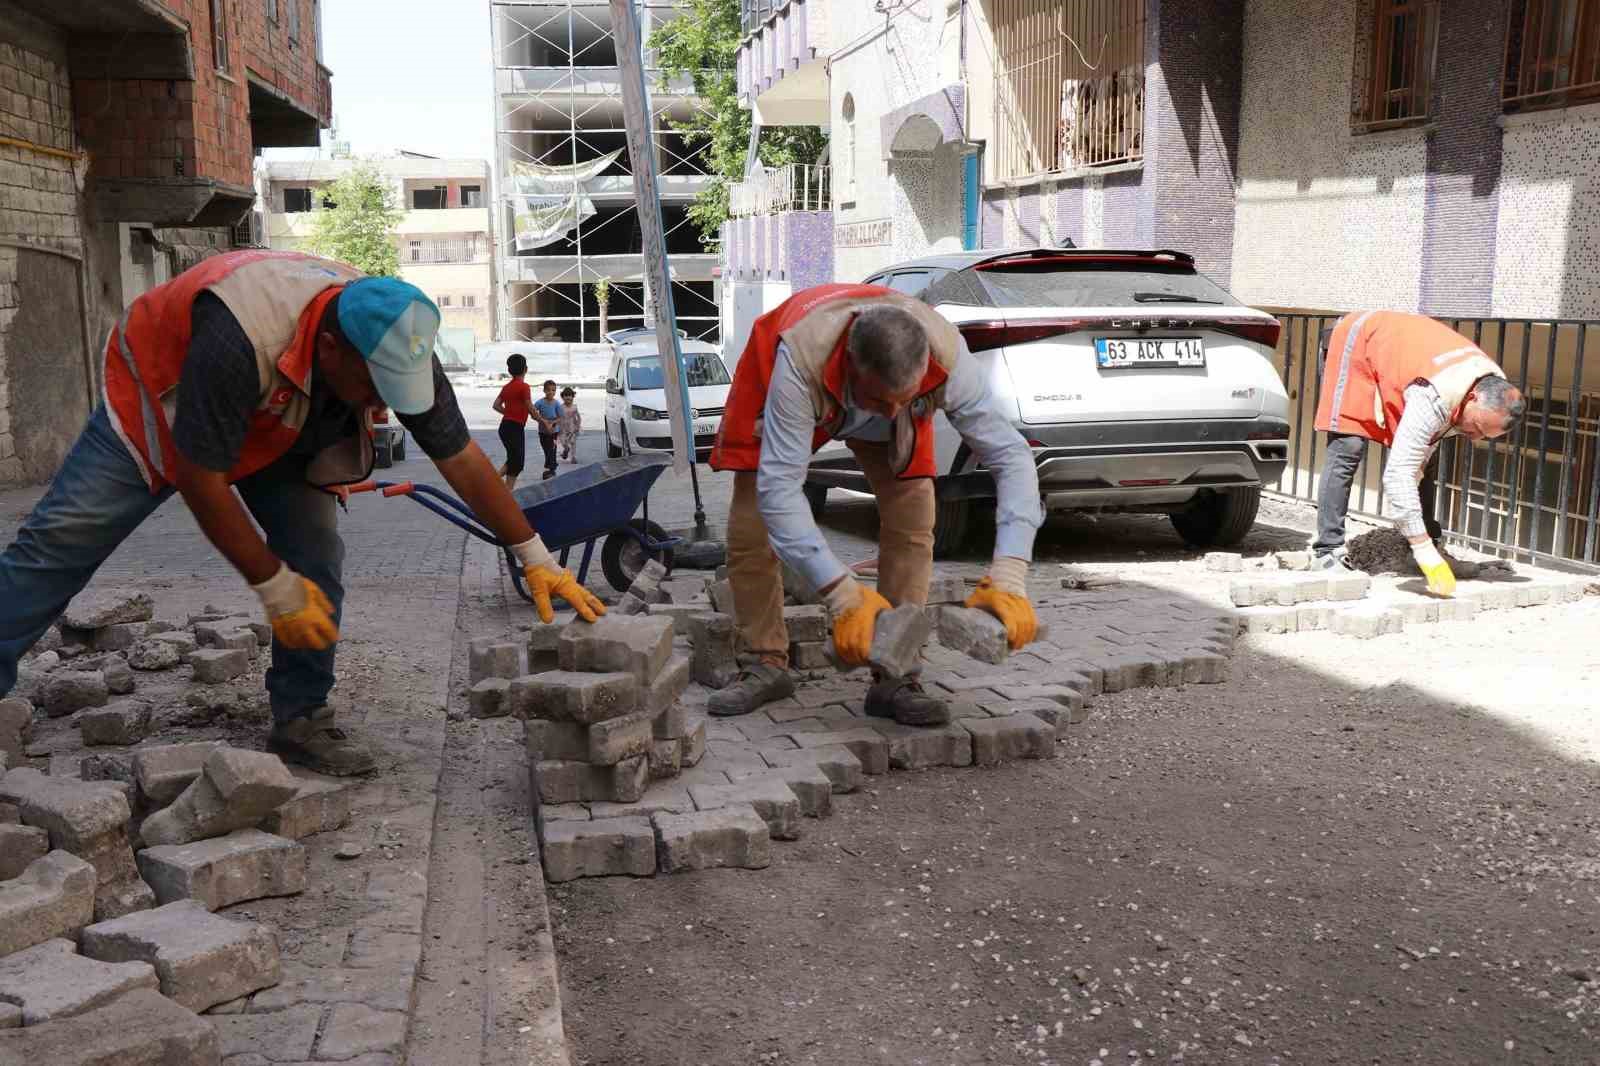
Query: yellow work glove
point(1441, 579)
point(546, 578)
point(855, 610)
point(299, 612)
point(1004, 594)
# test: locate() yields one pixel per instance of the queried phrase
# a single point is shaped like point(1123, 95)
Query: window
point(847, 161)
point(910, 282)
point(1394, 61)
point(272, 10)
point(469, 301)
point(699, 368)
point(472, 196)
point(1552, 53)
point(293, 7)
point(296, 201)
point(1070, 91)
point(219, 35)
point(427, 199)
point(443, 301)
point(416, 251)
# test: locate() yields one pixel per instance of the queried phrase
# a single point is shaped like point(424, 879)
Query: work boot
point(317, 744)
point(754, 687)
point(904, 700)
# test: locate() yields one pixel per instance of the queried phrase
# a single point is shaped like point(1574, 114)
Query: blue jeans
point(99, 497)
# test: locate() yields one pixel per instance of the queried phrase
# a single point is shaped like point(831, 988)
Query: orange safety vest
point(817, 351)
point(279, 299)
point(1374, 356)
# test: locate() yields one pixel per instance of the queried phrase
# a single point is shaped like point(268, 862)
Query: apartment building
point(445, 238)
point(127, 129)
point(565, 202)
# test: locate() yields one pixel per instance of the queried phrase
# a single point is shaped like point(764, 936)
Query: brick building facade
point(127, 135)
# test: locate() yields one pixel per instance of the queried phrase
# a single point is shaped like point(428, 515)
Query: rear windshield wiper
point(1169, 298)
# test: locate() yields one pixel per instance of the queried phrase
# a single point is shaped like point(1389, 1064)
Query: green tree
point(355, 222)
point(703, 45)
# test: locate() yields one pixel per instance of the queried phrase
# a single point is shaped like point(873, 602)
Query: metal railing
point(1552, 53)
point(1533, 495)
point(796, 187)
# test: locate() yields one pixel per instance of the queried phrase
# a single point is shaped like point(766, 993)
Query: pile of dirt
point(1386, 551)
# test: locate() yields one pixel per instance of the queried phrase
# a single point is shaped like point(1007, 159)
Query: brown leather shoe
point(317, 744)
point(904, 700)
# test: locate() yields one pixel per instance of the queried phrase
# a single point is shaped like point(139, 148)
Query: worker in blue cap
point(247, 385)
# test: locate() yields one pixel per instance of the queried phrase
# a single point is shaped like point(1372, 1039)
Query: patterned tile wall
point(1547, 258)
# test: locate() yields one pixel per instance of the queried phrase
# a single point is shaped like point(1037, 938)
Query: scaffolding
point(563, 180)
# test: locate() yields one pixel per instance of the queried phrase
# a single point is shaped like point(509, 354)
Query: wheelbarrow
point(578, 507)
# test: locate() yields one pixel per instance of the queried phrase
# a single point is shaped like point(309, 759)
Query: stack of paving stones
point(764, 773)
point(1280, 594)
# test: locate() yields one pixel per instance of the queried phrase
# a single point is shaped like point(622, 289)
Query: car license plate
point(1118, 353)
point(704, 429)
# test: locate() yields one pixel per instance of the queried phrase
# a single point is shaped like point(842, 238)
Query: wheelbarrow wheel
point(622, 557)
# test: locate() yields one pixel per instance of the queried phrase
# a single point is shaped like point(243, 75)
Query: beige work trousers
point(905, 551)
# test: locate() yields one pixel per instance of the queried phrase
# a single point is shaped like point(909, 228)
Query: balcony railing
point(796, 187)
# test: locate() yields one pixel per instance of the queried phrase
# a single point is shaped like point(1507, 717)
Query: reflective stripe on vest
point(1344, 369)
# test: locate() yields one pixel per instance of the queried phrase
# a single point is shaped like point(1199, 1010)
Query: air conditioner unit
point(247, 232)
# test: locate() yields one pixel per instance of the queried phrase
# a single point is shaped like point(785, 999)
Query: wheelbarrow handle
point(404, 488)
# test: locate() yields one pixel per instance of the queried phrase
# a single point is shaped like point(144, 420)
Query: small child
point(547, 411)
point(513, 405)
point(571, 423)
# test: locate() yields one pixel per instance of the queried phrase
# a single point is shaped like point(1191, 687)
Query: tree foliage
point(355, 222)
point(703, 45)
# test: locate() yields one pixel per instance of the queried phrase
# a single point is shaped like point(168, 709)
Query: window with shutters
point(219, 35)
point(1552, 53)
point(1394, 64)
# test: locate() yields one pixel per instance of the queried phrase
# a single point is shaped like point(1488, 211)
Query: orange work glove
point(299, 612)
point(546, 578)
point(855, 610)
point(1004, 594)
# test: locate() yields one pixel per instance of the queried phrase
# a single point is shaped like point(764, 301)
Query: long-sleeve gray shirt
point(787, 428)
point(1423, 425)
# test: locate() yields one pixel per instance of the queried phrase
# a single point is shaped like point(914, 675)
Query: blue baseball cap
point(393, 325)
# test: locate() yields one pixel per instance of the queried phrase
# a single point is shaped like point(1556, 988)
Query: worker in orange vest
point(258, 372)
point(868, 366)
point(1405, 381)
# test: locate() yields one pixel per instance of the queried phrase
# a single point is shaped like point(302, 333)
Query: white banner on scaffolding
point(542, 220)
point(537, 179)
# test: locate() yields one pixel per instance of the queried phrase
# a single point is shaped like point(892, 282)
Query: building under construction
point(571, 248)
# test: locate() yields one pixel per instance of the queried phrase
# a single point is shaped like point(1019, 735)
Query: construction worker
point(869, 366)
point(258, 372)
point(1407, 382)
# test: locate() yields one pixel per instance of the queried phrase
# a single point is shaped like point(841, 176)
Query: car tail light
point(982, 336)
point(1148, 482)
point(1262, 331)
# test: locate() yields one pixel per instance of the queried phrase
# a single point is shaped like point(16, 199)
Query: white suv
point(636, 397)
point(1140, 385)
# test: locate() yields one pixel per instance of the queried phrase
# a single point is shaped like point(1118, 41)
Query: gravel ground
point(1379, 851)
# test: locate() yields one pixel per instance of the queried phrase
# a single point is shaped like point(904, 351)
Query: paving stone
point(865, 743)
point(665, 758)
point(1016, 736)
point(898, 637)
point(1458, 610)
point(1051, 713)
point(680, 613)
point(10, 1016)
point(216, 666)
point(669, 685)
point(319, 805)
point(919, 747)
point(544, 648)
point(154, 655)
point(616, 739)
point(122, 723)
point(493, 657)
point(763, 790)
point(79, 815)
point(16, 728)
point(811, 787)
point(98, 608)
point(838, 763)
point(119, 637)
point(1367, 620)
point(1489, 596)
point(647, 583)
point(810, 655)
point(807, 623)
point(301, 984)
point(672, 797)
point(555, 740)
point(1205, 668)
point(236, 789)
point(244, 865)
point(20, 847)
point(721, 594)
point(1311, 617)
point(183, 642)
point(573, 696)
point(163, 771)
point(67, 691)
point(733, 836)
point(565, 781)
point(118, 677)
point(946, 588)
point(200, 959)
point(354, 1029)
point(600, 848)
point(1414, 608)
point(51, 980)
point(289, 1033)
point(1224, 562)
point(639, 645)
point(384, 949)
point(693, 743)
point(489, 698)
point(212, 632)
point(141, 1028)
point(677, 718)
point(1342, 587)
point(52, 897)
point(713, 663)
point(974, 633)
point(1265, 620)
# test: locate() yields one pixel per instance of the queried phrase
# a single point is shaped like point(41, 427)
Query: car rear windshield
point(1068, 284)
point(700, 368)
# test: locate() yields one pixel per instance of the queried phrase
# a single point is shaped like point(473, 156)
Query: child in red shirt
point(513, 404)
